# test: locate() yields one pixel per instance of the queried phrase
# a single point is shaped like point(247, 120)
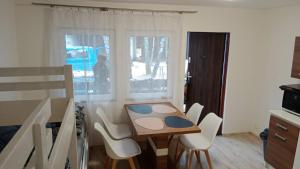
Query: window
point(138, 54)
point(90, 57)
point(148, 65)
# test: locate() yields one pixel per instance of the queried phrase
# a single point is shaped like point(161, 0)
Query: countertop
point(287, 116)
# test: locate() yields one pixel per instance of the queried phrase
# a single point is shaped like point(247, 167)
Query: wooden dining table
point(158, 122)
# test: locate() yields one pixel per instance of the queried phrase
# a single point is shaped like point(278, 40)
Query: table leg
point(160, 147)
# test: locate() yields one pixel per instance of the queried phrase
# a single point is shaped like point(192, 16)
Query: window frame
point(170, 66)
point(112, 48)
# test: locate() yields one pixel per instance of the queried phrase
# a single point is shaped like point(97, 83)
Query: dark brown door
point(296, 60)
point(207, 55)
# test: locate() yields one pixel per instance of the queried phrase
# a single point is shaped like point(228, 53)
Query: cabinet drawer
point(284, 129)
point(278, 156)
point(282, 143)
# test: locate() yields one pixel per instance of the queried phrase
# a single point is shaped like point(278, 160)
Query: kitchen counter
point(287, 116)
point(294, 120)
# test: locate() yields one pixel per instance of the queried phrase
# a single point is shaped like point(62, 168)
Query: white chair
point(116, 131)
point(119, 149)
point(194, 112)
point(196, 142)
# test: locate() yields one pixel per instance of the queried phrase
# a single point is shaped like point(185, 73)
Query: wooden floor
point(239, 151)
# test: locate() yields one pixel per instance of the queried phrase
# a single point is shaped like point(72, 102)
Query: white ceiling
point(221, 3)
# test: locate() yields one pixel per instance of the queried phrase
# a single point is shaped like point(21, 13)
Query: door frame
point(224, 71)
point(224, 77)
point(224, 80)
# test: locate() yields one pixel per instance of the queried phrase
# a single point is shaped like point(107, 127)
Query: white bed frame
point(32, 144)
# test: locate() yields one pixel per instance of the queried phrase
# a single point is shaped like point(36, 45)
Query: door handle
point(188, 76)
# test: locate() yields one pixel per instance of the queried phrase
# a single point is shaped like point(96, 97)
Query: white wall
point(8, 47)
point(246, 56)
point(31, 25)
point(246, 60)
point(282, 27)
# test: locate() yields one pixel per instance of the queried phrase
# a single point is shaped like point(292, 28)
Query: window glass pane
point(149, 56)
point(89, 56)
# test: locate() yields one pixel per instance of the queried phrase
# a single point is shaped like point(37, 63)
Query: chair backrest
point(209, 126)
point(194, 113)
point(108, 141)
point(103, 117)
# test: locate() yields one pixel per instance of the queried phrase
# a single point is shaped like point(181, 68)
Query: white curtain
point(118, 57)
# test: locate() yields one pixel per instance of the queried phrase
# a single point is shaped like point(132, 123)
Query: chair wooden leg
point(176, 150)
point(131, 163)
point(197, 153)
point(208, 159)
point(170, 139)
point(178, 158)
point(114, 164)
point(107, 162)
point(187, 157)
point(190, 159)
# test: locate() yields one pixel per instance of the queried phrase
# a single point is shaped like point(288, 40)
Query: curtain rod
point(109, 8)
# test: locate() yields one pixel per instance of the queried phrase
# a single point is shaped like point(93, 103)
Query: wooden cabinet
point(296, 60)
point(282, 143)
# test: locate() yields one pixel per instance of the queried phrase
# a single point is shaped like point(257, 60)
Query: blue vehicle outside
point(83, 59)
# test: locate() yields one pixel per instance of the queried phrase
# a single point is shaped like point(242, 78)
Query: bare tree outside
point(149, 56)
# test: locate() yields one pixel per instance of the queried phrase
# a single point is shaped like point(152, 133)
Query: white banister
point(16, 153)
point(62, 144)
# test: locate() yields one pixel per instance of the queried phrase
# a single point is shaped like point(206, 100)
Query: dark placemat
point(177, 122)
point(141, 109)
